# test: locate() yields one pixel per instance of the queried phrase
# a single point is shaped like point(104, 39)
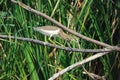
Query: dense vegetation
point(97, 19)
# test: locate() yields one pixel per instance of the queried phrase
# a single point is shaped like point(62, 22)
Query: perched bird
point(53, 31)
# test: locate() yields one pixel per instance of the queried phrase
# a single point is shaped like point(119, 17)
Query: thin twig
point(63, 27)
point(55, 46)
point(92, 75)
point(85, 71)
point(96, 77)
point(80, 63)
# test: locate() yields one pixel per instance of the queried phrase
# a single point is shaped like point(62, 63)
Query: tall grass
point(23, 60)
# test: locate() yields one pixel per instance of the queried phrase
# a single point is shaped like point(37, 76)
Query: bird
point(53, 31)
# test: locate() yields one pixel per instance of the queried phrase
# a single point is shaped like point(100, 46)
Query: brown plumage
point(53, 31)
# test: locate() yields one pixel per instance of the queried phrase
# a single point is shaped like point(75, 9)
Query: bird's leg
point(54, 42)
point(51, 40)
point(59, 43)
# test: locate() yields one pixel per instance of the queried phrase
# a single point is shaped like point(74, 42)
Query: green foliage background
point(97, 19)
